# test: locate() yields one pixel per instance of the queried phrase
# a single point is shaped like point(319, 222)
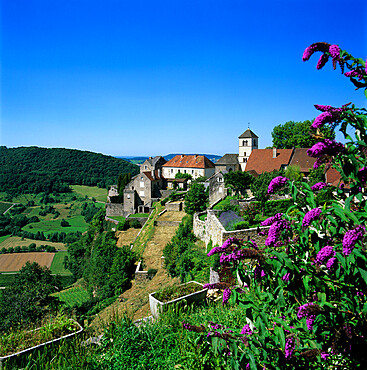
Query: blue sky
point(176, 76)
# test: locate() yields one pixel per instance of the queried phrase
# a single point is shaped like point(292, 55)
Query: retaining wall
point(212, 230)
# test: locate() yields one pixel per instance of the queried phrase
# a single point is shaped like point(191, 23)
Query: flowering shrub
point(303, 293)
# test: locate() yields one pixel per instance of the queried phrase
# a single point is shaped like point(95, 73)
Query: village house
point(194, 165)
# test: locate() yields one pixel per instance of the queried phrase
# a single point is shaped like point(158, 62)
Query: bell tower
point(248, 141)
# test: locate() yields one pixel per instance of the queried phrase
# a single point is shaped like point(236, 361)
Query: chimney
point(153, 175)
point(182, 155)
point(274, 152)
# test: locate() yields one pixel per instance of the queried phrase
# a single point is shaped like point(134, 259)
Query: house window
point(141, 193)
point(245, 160)
point(220, 190)
point(178, 171)
point(192, 171)
point(254, 142)
point(141, 184)
point(128, 196)
point(185, 171)
point(141, 178)
point(244, 154)
point(146, 167)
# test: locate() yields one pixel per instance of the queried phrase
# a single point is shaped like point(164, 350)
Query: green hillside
point(36, 170)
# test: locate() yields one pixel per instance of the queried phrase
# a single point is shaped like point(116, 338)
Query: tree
point(196, 199)
point(293, 173)
point(180, 175)
point(238, 180)
point(297, 135)
point(28, 297)
point(259, 186)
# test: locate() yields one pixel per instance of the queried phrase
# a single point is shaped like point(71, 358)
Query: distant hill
point(140, 160)
point(35, 170)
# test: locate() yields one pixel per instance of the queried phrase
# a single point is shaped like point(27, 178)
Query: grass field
point(117, 218)
point(4, 206)
point(73, 296)
point(57, 265)
point(77, 223)
point(13, 241)
point(91, 192)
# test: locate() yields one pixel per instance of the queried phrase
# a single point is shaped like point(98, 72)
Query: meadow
point(9, 241)
point(73, 296)
point(99, 194)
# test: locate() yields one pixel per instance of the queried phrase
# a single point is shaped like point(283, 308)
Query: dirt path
point(135, 301)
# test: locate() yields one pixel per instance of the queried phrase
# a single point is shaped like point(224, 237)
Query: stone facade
point(114, 209)
point(212, 230)
point(217, 190)
point(174, 206)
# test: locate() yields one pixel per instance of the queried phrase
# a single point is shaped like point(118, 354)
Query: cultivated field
point(4, 206)
point(57, 266)
point(13, 241)
point(15, 261)
point(73, 296)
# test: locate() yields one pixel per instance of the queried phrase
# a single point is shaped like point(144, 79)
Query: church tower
point(248, 141)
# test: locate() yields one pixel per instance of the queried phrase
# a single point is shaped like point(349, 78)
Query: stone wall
point(167, 223)
point(174, 206)
point(114, 209)
point(140, 275)
point(212, 230)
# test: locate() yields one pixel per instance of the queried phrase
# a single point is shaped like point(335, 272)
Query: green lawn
point(117, 218)
point(73, 296)
point(137, 215)
point(91, 192)
point(57, 265)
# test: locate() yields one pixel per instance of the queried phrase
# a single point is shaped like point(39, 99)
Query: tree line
point(35, 170)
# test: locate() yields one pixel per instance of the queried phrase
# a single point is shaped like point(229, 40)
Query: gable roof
point(332, 176)
point(189, 161)
point(154, 160)
point(261, 160)
point(227, 159)
point(248, 133)
point(301, 159)
point(157, 175)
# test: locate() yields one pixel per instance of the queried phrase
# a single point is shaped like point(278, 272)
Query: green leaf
point(280, 334)
point(364, 310)
point(363, 274)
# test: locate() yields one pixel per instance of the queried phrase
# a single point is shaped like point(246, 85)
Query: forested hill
point(35, 170)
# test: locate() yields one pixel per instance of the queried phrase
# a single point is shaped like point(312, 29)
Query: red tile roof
point(301, 159)
point(332, 176)
point(261, 160)
point(189, 161)
point(148, 174)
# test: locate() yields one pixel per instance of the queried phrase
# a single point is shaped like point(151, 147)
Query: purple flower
point(321, 119)
point(323, 108)
point(309, 311)
point(334, 51)
point(330, 264)
point(353, 74)
point(219, 285)
point(318, 186)
point(286, 277)
point(324, 355)
point(322, 61)
point(310, 216)
point(324, 255)
point(258, 272)
point(276, 184)
point(326, 147)
point(359, 294)
point(275, 231)
point(224, 246)
point(317, 46)
point(238, 255)
point(362, 175)
point(246, 330)
point(351, 237)
point(289, 347)
point(269, 221)
point(226, 295)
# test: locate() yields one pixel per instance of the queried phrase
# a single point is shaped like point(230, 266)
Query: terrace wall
point(212, 230)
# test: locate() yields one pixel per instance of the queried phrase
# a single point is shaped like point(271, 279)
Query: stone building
point(194, 165)
point(228, 163)
point(217, 191)
point(247, 142)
